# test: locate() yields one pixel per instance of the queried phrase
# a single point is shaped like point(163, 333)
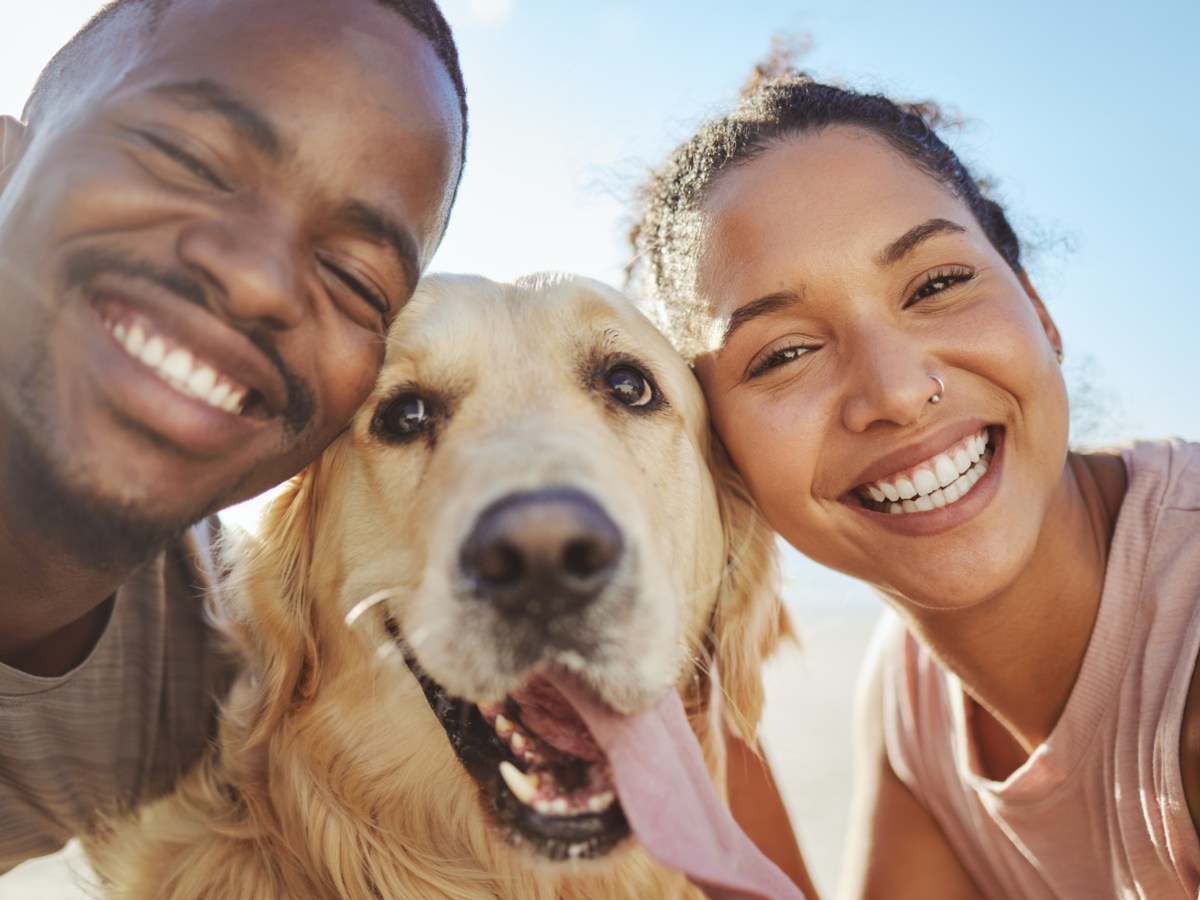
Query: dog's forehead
point(460, 322)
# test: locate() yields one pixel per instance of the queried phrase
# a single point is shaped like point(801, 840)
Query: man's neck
point(53, 608)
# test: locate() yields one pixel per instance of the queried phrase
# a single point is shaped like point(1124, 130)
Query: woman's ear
point(1043, 314)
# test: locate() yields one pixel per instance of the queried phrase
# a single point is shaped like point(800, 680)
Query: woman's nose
point(252, 261)
point(889, 382)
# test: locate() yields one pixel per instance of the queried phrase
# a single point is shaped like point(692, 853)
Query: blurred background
point(1082, 115)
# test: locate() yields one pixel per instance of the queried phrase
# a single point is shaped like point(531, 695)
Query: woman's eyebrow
point(755, 308)
point(907, 242)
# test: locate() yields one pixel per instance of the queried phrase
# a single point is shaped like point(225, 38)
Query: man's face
point(200, 253)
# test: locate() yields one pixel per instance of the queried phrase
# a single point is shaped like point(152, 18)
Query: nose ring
point(937, 397)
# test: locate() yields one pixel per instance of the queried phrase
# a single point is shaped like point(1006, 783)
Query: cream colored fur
point(333, 778)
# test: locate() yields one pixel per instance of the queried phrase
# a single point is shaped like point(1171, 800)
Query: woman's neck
point(1018, 654)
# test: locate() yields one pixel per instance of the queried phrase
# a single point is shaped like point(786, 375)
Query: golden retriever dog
point(529, 498)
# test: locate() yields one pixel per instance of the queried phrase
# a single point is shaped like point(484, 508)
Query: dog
point(530, 494)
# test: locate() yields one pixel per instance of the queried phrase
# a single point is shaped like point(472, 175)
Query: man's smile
point(174, 363)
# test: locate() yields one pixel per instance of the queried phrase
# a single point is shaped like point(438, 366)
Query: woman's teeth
point(935, 483)
point(178, 367)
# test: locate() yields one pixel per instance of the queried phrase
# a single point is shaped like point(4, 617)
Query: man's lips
point(176, 364)
point(184, 343)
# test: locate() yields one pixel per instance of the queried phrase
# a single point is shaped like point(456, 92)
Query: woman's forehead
point(826, 204)
point(838, 190)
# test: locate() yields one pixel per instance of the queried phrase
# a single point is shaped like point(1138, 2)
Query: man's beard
point(102, 533)
point(59, 499)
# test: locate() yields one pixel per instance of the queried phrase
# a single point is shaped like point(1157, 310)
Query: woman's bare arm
point(757, 805)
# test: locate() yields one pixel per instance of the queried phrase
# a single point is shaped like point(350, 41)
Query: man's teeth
point(933, 484)
point(179, 368)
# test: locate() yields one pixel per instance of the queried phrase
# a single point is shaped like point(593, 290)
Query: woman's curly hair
point(776, 103)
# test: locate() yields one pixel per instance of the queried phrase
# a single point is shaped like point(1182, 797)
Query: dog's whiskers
point(367, 603)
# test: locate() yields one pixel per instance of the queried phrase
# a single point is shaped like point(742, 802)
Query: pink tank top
point(1098, 810)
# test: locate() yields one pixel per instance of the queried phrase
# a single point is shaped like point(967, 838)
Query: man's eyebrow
point(371, 224)
point(907, 242)
point(756, 308)
point(208, 96)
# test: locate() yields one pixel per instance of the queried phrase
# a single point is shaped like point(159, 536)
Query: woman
point(887, 380)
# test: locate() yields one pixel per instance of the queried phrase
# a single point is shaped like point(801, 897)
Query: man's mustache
point(83, 266)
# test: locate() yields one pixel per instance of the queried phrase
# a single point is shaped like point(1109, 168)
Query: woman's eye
point(403, 416)
point(629, 386)
point(773, 359)
point(941, 280)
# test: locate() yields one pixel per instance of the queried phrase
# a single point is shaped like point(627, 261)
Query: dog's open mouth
point(547, 781)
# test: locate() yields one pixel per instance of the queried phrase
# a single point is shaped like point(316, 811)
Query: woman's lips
point(939, 481)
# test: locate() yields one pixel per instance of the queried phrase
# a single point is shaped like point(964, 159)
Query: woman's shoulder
point(1166, 470)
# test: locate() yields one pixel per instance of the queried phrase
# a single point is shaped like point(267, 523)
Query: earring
point(940, 392)
point(1058, 354)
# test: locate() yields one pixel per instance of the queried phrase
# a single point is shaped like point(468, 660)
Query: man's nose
point(252, 261)
point(888, 382)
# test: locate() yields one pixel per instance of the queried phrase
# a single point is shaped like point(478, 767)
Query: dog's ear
point(749, 618)
point(269, 598)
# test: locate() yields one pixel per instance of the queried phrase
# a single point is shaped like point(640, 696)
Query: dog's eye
point(403, 416)
point(630, 386)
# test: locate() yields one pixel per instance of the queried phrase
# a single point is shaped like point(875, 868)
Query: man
point(209, 214)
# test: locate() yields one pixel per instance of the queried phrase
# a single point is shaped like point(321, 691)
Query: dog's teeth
point(504, 728)
point(517, 741)
point(556, 807)
point(523, 786)
point(601, 802)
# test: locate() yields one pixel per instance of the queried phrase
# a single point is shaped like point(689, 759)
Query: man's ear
point(1043, 314)
point(12, 144)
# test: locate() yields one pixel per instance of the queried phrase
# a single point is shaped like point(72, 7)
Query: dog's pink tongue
point(670, 801)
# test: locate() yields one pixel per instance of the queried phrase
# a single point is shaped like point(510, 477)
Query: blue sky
point(1083, 113)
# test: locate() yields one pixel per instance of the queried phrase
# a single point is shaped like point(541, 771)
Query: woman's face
point(843, 277)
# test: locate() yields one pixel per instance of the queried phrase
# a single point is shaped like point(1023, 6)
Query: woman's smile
point(938, 481)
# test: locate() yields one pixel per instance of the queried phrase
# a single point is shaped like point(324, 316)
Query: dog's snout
point(541, 554)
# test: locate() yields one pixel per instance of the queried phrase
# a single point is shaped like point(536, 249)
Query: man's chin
point(70, 510)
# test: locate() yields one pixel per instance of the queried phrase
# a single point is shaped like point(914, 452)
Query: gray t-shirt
point(120, 729)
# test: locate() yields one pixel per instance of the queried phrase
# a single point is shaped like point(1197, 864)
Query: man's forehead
point(211, 28)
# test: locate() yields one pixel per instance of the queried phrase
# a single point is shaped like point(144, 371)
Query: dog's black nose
point(541, 554)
